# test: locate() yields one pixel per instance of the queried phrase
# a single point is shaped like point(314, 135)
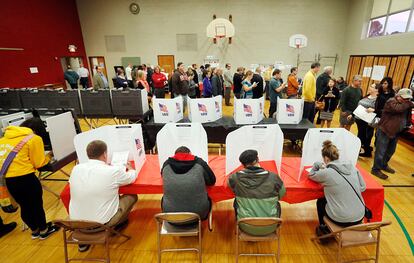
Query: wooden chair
point(259, 222)
point(355, 236)
point(78, 234)
point(165, 227)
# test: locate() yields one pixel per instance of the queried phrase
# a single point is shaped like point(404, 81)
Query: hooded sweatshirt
point(29, 158)
point(185, 177)
point(343, 205)
point(257, 195)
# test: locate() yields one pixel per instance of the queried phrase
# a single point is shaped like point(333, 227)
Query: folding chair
point(165, 227)
point(80, 234)
point(355, 236)
point(259, 222)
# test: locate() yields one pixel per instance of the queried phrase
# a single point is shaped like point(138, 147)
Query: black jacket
point(380, 102)
point(237, 80)
point(330, 103)
point(258, 91)
point(179, 82)
point(321, 84)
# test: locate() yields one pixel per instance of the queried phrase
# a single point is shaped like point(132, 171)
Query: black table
point(217, 131)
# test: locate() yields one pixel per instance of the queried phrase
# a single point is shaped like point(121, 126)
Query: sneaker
point(35, 235)
point(50, 230)
point(7, 228)
point(83, 248)
point(379, 174)
point(389, 170)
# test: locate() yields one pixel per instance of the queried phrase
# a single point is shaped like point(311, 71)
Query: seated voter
point(341, 184)
point(94, 187)
point(185, 177)
point(257, 192)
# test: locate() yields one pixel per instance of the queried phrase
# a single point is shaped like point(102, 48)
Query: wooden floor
point(218, 246)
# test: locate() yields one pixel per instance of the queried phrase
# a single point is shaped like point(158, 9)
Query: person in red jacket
point(158, 80)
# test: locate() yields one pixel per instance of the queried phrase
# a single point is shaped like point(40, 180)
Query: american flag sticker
point(163, 108)
point(202, 108)
point(247, 108)
point(290, 108)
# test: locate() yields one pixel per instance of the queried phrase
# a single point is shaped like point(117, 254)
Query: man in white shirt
point(94, 187)
point(128, 71)
point(83, 75)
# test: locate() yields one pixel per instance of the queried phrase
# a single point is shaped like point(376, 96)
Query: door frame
point(158, 60)
point(91, 65)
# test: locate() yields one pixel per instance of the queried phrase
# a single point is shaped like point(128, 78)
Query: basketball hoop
point(297, 46)
point(298, 41)
point(220, 28)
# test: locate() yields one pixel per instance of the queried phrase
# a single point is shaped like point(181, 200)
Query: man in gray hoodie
point(185, 178)
point(341, 204)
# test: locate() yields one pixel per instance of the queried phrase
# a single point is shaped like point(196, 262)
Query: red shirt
point(158, 80)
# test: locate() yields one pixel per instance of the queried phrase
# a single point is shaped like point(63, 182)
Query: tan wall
point(357, 44)
point(262, 29)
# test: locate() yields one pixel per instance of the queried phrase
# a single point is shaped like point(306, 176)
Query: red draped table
point(149, 182)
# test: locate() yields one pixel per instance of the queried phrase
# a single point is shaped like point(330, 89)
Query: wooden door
point(98, 61)
point(167, 63)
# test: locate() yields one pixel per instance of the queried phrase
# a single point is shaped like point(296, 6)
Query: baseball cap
point(405, 93)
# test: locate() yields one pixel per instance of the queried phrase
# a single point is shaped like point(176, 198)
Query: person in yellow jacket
point(21, 180)
point(309, 92)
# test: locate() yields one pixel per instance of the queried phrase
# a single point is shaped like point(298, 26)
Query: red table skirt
point(149, 182)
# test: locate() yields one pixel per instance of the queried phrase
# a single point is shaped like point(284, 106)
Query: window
point(390, 17)
point(397, 23)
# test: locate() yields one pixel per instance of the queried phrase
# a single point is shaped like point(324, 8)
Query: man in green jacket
point(257, 192)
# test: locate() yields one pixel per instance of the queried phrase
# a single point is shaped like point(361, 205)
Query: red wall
point(44, 29)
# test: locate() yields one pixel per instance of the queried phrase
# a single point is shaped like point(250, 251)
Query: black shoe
point(389, 170)
point(83, 248)
point(366, 154)
point(322, 230)
point(7, 228)
point(9, 209)
point(50, 230)
point(379, 174)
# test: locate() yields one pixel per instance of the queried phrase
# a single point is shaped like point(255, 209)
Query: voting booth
point(10, 98)
point(289, 111)
point(167, 110)
point(174, 135)
point(267, 140)
point(61, 130)
point(119, 138)
point(206, 109)
point(248, 111)
point(129, 103)
point(347, 143)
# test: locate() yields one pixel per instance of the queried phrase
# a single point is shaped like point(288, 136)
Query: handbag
point(367, 212)
point(320, 105)
point(5, 199)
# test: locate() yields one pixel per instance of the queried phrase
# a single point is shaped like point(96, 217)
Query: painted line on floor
point(407, 235)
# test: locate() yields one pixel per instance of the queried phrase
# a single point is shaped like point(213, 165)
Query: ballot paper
point(120, 158)
point(361, 113)
point(308, 169)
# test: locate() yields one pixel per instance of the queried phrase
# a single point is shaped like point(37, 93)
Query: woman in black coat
point(331, 98)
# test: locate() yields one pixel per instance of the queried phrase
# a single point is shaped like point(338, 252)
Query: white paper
point(361, 113)
point(120, 158)
point(378, 72)
point(308, 169)
point(34, 70)
point(367, 72)
point(62, 131)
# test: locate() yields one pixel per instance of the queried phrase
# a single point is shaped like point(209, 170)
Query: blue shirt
point(273, 94)
point(247, 94)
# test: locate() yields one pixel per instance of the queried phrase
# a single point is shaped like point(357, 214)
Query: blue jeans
point(309, 111)
point(384, 149)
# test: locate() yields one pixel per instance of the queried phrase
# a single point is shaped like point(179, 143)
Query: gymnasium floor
point(218, 246)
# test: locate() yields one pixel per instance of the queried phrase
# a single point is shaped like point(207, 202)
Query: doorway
point(73, 62)
point(100, 62)
point(167, 63)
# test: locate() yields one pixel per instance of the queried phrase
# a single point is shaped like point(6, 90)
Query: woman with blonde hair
point(343, 203)
point(142, 81)
point(247, 86)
